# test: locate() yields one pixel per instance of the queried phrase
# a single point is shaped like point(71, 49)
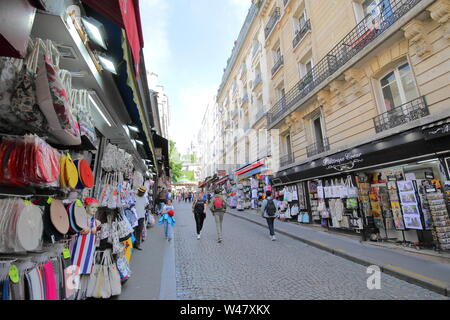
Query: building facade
point(163, 103)
point(330, 89)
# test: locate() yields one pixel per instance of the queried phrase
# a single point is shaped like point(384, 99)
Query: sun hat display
point(71, 172)
point(81, 217)
point(58, 216)
point(85, 174)
point(29, 227)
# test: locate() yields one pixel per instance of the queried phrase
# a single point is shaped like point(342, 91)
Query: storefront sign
point(345, 162)
point(437, 132)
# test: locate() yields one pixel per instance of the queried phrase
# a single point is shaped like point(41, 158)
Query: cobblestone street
point(247, 265)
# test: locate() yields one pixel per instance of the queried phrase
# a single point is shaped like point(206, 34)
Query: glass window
point(318, 131)
point(398, 87)
point(408, 82)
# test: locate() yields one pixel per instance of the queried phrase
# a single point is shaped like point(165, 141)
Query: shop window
point(398, 87)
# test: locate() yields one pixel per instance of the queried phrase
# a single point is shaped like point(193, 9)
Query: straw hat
point(142, 189)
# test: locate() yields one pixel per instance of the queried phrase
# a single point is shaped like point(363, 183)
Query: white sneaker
point(198, 237)
point(273, 238)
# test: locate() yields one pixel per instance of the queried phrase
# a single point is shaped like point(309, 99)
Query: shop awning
point(250, 167)
point(126, 14)
point(253, 172)
point(222, 180)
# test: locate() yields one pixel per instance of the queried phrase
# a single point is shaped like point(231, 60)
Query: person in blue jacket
point(168, 219)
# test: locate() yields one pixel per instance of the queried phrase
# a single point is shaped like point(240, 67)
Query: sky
point(187, 43)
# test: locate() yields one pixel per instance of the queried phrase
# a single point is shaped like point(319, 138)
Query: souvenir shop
point(252, 182)
point(395, 190)
point(66, 181)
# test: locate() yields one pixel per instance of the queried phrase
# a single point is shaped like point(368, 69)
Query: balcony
point(317, 148)
point(356, 40)
point(257, 81)
point(277, 65)
point(272, 22)
point(405, 113)
point(286, 159)
point(301, 33)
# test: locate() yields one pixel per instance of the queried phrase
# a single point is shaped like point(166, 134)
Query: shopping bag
point(114, 277)
point(343, 193)
point(351, 190)
point(305, 217)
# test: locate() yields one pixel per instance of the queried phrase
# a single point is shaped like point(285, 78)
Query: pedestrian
point(270, 212)
point(218, 208)
point(141, 204)
point(168, 219)
point(199, 210)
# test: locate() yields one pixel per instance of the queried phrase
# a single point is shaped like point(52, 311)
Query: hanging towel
point(36, 285)
point(5, 291)
point(83, 249)
point(50, 282)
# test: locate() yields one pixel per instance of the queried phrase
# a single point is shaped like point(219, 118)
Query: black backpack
point(199, 207)
point(271, 209)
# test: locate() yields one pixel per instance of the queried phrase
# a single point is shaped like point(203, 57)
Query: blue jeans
point(167, 229)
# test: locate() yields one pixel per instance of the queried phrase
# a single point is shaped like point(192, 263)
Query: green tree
point(174, 162)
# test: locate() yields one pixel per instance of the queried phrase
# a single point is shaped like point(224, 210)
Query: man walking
point(270, 212)
point(141, 204)
point(218, 208)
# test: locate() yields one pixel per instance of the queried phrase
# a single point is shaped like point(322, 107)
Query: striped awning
point(221, 180)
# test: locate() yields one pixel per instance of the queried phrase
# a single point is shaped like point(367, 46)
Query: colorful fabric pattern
point(83, 249)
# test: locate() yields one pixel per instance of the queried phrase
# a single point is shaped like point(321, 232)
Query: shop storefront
point(391, 190)
point(252, 181)
point(74, 147)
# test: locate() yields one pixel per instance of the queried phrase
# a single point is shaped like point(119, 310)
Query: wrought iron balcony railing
point(272, 22)
point(405, 113)
point(317, 148)
point(277, 65)
point(301, 33)
point(363, 34)
point(286, 159)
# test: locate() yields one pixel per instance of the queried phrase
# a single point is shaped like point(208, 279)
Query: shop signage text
point(345, 162)
point(438, 132)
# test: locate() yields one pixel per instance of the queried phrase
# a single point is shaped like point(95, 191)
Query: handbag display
point(352, 191)
point(54, 100)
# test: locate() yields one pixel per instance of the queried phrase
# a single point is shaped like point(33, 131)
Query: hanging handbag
point(94, 278)
point(351, 190)
point(351, 203)
point(53, 99)
point(114, 277)
point(104, 289)
point(320, 192)
point(342, 190)
point(82, 107)
point(305, 217)
point(124, 228)
point(123, 267)
point(9, 69)
point(23, 101)
point(327, 190)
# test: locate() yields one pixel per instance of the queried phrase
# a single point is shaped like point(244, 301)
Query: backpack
point(218, 203)
point(199, 207)
point(271, 209)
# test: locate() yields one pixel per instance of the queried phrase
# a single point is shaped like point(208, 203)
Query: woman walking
point(199, 210)
point(218, 208)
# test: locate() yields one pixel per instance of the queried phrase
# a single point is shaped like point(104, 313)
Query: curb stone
point(391, 270)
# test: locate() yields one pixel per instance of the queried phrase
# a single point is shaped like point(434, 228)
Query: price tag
point(50, 200)
point(14, 274)
point(78, 203)
point(66, 253)
point(27, 202)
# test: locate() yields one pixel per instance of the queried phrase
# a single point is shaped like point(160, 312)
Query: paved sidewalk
point(427, 273)
point(153, 269)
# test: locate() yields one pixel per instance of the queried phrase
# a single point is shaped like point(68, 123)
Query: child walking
point(167, 219)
